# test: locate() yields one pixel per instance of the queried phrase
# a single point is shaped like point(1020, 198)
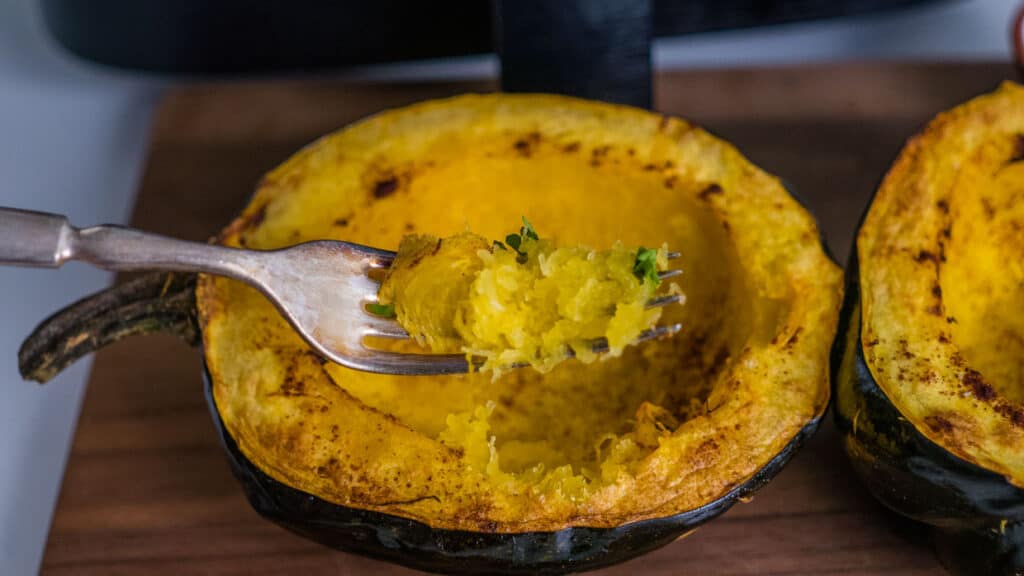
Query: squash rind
point(657, 175)
point(941, 240)
point(976, 514)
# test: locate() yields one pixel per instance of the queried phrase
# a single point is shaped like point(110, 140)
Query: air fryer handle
point(599, 49)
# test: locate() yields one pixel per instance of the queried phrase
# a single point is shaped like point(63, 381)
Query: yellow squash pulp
point(533, 303)
point(667, 427)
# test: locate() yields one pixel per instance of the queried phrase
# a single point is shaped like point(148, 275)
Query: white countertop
point(72, 140)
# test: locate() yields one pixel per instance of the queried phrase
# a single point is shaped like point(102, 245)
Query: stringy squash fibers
point(531, 302)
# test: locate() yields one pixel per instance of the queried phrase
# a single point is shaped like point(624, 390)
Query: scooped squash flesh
point(942, 281)
point(667, 427)
point(530, 302)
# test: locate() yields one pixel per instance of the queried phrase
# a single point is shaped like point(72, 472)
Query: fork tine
point(408, 364)
point(600, 345)
point(384, 258)
point(669, 273)
point(376, 257)
point(658, 332)
point(434, 364)
point(381, 261)
point(384, 328)
point(663, 301)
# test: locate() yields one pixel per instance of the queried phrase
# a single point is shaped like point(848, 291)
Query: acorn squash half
point(581, 467)
point(930, 359)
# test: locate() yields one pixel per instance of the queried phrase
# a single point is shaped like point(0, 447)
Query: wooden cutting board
point(147, 488)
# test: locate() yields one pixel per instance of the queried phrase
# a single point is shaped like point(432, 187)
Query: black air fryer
point(590, 48)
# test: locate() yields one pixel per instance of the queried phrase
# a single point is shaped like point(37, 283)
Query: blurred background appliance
point(589, 48)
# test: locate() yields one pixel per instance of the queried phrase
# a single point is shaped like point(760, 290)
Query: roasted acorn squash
point(930, 360)
point(587, 465)
point(565, 470)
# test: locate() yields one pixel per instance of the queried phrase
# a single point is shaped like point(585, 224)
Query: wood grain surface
point(147, 488)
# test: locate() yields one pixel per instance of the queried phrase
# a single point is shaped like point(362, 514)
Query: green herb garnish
point(646, 265)
point(497, 244)
point(528, 231)
point(515, 241)
point(385, 310)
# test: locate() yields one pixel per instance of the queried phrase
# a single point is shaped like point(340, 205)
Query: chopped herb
point(515, 241)
point(498, 244)
point(386, 310)
point(528, 231)
point(646, 265)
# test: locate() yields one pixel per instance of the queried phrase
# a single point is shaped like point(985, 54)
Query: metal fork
point(321, 288)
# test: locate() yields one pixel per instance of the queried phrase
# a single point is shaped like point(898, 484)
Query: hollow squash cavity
point(982, 279)
point(666, 427)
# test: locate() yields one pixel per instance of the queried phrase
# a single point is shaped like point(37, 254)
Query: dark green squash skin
point(417, 545)
point(975, 515)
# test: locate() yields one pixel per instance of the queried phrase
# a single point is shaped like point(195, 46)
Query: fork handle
point(39, 239)
point(34, 238)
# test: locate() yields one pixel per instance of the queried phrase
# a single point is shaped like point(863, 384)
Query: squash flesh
point(665, 428)
point(431, 279)
point(533, 304)
point(983, 276)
